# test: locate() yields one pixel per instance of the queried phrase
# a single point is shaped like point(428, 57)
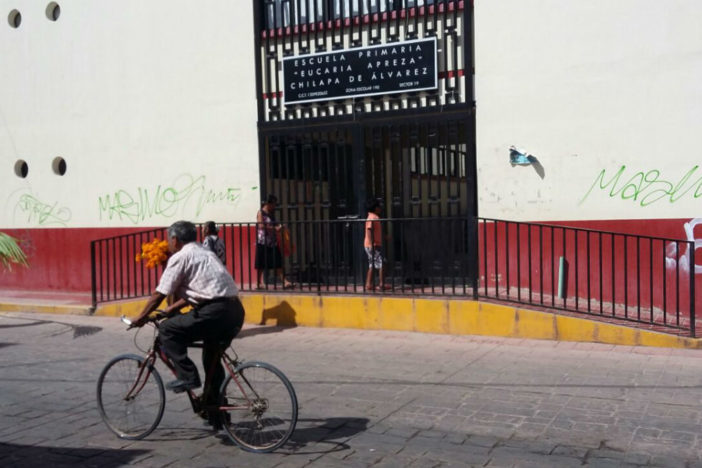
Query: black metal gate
point(418, 168)
point(312, 175)
point(423, 170)
point(324, 158)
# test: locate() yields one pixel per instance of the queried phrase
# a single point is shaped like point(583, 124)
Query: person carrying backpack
point(211, 241)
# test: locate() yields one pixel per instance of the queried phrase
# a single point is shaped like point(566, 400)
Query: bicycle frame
point(230, 364)
point(145, 371)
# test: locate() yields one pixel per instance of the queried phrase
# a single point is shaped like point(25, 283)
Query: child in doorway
point(373, 244)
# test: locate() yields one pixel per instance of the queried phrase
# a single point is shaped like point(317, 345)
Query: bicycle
point(256, 404)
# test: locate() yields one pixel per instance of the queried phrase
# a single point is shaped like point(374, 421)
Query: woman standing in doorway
point(268, 256)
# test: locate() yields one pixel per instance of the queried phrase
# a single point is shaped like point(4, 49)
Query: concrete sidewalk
point(449, 316)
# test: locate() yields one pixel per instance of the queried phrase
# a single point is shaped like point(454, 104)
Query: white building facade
point(118, 117)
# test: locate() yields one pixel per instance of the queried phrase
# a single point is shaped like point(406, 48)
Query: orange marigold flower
point(155, 253)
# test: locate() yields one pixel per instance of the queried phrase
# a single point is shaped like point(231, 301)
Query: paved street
point(367, 398)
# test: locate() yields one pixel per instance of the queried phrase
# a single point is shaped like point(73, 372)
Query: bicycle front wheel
point(130, 397)
point(258, 407)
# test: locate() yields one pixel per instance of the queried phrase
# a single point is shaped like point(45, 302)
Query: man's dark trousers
point(213, 322)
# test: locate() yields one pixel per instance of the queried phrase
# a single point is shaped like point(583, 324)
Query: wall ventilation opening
point(58, 165)
point(53, 11)
point(21, 168)
point(15, 19)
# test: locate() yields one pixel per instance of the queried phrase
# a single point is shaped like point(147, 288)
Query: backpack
point(216, 245)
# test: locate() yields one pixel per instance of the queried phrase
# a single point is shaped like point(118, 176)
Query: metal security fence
point(427, 256)
point(634, 278)
point(644, 280)
point(116, 274)
point(423, 256)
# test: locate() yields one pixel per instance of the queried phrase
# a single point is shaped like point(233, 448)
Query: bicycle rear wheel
point(258, 407)
point(131, 404)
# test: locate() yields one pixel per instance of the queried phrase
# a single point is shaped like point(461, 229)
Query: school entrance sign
point(400, 67)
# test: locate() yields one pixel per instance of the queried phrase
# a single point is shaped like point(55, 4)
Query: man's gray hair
point(184, 231)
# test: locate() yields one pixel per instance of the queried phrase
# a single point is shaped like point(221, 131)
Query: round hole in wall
point(58, 165)
point(14, 18)
point(21, 168)
point(53, 11)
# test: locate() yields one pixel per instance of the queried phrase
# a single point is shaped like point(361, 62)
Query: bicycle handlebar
point(154, 317)
point(126, 321)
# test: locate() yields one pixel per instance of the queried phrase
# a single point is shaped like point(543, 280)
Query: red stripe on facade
point(59, 259)
point(451, 74)
point(276, 95)
point(366, 19)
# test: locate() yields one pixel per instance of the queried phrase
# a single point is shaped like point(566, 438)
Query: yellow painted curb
point(447, 316)
point(47, 309)
point(117, 309)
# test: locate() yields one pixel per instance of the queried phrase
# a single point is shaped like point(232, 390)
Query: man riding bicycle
point(195, 276)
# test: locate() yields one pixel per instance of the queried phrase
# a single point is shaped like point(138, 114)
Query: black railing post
point(93, 276)
point(474, 254)
point(318, 255)
point(358, 165)
point(691, 249)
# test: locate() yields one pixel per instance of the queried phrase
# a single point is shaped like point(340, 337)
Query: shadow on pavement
point(331, 431)
point(177, 433)
point(13, 455)
point(27, 324)
point(78, 330)
point(334, 431)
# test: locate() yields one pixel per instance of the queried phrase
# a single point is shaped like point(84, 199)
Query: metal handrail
point(646, 280)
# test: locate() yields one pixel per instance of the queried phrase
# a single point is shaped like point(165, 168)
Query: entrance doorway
point(324, 176)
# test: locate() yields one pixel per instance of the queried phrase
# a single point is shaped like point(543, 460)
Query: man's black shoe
point(178, 386)
point(214, 419)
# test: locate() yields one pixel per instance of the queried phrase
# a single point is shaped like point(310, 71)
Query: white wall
point(143, 100)
point(587, 86)
point(157, 98)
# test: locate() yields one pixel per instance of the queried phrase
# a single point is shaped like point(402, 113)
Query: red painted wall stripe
point(367, 19)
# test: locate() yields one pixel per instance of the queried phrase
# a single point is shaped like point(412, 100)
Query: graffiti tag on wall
point(36, 212)
point(187, 194)
point(675, 255)
point(646, 188)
